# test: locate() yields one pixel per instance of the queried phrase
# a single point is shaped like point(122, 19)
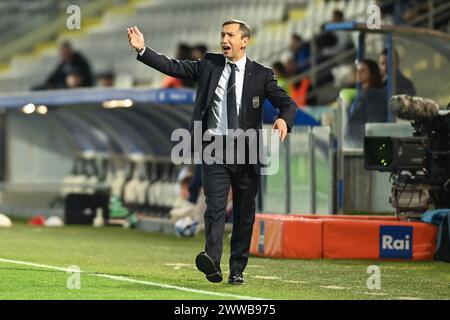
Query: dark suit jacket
point(259, 81)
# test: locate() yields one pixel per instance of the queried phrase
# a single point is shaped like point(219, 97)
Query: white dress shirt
point(142, 52)
point(218, 112)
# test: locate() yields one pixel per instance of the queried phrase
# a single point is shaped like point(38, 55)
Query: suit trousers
point(244, 182)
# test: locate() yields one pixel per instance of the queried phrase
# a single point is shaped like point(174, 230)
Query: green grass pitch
point(117, 263)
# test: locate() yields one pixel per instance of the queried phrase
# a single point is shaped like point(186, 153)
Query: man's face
point(382, 64)
point(232, 42)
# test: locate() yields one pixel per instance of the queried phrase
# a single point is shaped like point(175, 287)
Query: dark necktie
point(231, 100)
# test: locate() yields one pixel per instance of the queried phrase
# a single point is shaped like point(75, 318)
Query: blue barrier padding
point(96, 96)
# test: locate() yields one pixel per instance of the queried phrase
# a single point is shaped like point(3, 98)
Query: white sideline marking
point(125, 279)
point(295, 281)
point(376, 293)
point(267, 277)
point(334, 287)
point(408, 298)
point(178, 266)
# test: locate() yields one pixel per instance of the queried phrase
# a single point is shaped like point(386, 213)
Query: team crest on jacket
point(255, 101)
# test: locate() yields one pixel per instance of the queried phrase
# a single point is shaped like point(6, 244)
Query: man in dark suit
point(231, 90)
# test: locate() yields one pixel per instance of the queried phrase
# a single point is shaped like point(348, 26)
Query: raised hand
point(136, 38)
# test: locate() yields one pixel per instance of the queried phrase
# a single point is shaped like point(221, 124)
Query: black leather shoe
point(236, 278)
point(209, 267)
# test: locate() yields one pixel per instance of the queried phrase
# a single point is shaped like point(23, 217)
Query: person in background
point(74, 79)
point(370, 104)
point(300, 51)
point(198, 51)
point(297, 90)
point(72, 65)
point(280, 73)
point(106, 80)
point(342, 39)
point(186, 208)
point(402, 84)
point(183, 53)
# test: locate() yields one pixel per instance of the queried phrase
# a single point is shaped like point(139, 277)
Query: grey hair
point(243, 27)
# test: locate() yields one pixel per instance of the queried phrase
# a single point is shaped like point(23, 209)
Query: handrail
point(322, 66)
